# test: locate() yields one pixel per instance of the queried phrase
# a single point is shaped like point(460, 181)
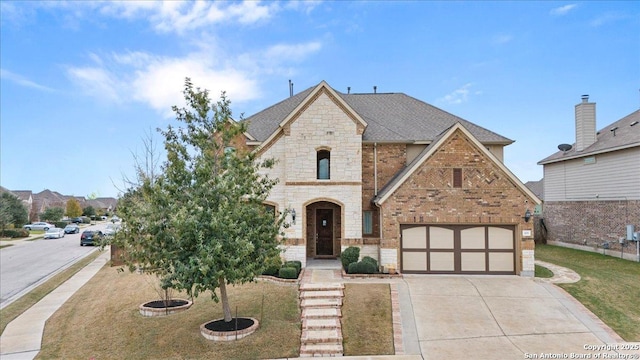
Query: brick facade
point(592, 222)
point(488, 196)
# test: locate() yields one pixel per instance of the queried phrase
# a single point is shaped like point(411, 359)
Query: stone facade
point(592, 222)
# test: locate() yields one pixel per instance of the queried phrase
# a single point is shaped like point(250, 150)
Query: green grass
point(367, 320)
point(4, 246)
point(21, 305)
point(102, 321)
point(610, 287)
point(543, 272)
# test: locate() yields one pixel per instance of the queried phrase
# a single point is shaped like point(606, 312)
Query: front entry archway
point(323, 229)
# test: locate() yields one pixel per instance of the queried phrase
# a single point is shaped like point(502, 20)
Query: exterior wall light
point(293, 216)
point(527, 215)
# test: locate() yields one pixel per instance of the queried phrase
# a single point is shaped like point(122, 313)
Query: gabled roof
point(408, 170)
point(625, 136)
point(390, 117)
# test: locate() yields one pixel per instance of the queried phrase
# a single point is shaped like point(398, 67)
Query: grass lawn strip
point(21, 305)
point(367, 320)
point(102, 321)
point(610, 287)
point(543, 272)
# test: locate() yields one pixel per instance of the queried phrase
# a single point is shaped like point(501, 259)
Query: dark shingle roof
point(536, 187)
point(391, 117)
point(625, 136)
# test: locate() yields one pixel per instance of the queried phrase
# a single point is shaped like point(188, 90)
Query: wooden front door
point(324, 232)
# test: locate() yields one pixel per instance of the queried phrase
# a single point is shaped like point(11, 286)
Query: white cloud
point(98, 82)
point(22, 81)
point(458, 96)
point(562, 10)
point(605, 18)
point(295, 52)
point(502, 39)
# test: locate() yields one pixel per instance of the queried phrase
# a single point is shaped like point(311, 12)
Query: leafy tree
point(73, 208)
point(12, 211)
point(52, 214)
point(89, 211)
point(200, 224)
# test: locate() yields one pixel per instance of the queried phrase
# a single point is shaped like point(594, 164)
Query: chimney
point(585, 123)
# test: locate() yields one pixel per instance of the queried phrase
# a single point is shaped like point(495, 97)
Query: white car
point(54, 233)
point(39, 226)
point(112, 229)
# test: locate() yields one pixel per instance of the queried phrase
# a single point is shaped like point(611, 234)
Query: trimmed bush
point(60, 224)
point(272, 266)
point(15, 233)
point(294, 264)
point(288, 273)
point(371, 260)
point(86, 220)
point(349, 255)
point(361, 267)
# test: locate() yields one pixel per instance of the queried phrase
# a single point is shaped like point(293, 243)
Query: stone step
point(321, 323)
point(321, 286)
point(321, 294)
point(321, 303)
point(321, 336)
point(321, 312)
point(328, 350)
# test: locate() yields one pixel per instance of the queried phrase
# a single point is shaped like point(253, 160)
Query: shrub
point(288, 273)
point(349, 255)
point(272, 266)
point(86, 220)
point(60, 224)
point(294, 264)
point(371, 260)
point(15, 233)
point(361, 267)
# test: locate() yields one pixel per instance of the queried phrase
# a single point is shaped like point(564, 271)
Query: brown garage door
point(458, 249)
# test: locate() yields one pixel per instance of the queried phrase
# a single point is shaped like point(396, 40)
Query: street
point(27, 264)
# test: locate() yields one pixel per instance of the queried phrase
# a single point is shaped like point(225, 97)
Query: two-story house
point(592, 187)
point(413, 186)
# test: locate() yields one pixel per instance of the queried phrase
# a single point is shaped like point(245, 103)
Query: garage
point(458, 249)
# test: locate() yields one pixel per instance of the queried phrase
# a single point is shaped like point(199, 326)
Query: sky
point(83, 83)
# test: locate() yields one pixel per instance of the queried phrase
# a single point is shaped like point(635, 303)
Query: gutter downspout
point(375, 169)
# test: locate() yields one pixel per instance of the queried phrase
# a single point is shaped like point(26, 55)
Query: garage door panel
point(450, 248)
point(501, 261)
point(475, 261)
point(440, 238)
point(414, 261)
point(414, 238)
point(472, 238)
point(500, 238)
point(442, 261)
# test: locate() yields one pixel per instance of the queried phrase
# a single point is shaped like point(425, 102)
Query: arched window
point(323, 164)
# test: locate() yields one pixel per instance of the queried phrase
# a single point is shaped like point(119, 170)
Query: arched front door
point(323, 229)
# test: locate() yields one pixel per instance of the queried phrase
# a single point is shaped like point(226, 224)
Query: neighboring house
point(592, 188)
point(413, 186)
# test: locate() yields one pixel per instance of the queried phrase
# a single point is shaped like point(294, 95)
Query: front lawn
point(610, 287)
point(101, 321)
point(367, 320)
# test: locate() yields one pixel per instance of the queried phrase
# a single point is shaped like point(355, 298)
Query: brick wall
point(592, 222)
point(488, 195)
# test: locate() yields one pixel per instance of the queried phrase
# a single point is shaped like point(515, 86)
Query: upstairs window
point(323, 164)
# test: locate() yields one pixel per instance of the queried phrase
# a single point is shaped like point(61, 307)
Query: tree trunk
point(225, 300)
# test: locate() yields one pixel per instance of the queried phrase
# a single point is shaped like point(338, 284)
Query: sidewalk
point(22, 338)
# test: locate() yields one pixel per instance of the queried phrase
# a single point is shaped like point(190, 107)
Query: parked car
point(54, 233)
point(39, 226)
point(77, 220)
point(88, 237)
point(112, 229)
point(71, 229)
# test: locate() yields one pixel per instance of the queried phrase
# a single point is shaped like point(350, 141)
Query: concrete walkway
point(561, 275)
point(22, 338)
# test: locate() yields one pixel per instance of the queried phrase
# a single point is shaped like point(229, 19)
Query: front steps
point(321, 327)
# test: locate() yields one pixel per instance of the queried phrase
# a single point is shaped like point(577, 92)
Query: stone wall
point(592, 223)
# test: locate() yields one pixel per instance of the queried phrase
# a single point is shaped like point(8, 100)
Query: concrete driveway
point(501, 317)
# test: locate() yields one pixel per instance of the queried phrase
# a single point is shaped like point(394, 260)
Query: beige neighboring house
point(592, 188)
point(413, 186)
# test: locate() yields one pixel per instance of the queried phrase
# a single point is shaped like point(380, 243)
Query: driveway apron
point(500, 317)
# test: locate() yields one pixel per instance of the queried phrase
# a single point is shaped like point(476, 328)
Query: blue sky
point(82, 82)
